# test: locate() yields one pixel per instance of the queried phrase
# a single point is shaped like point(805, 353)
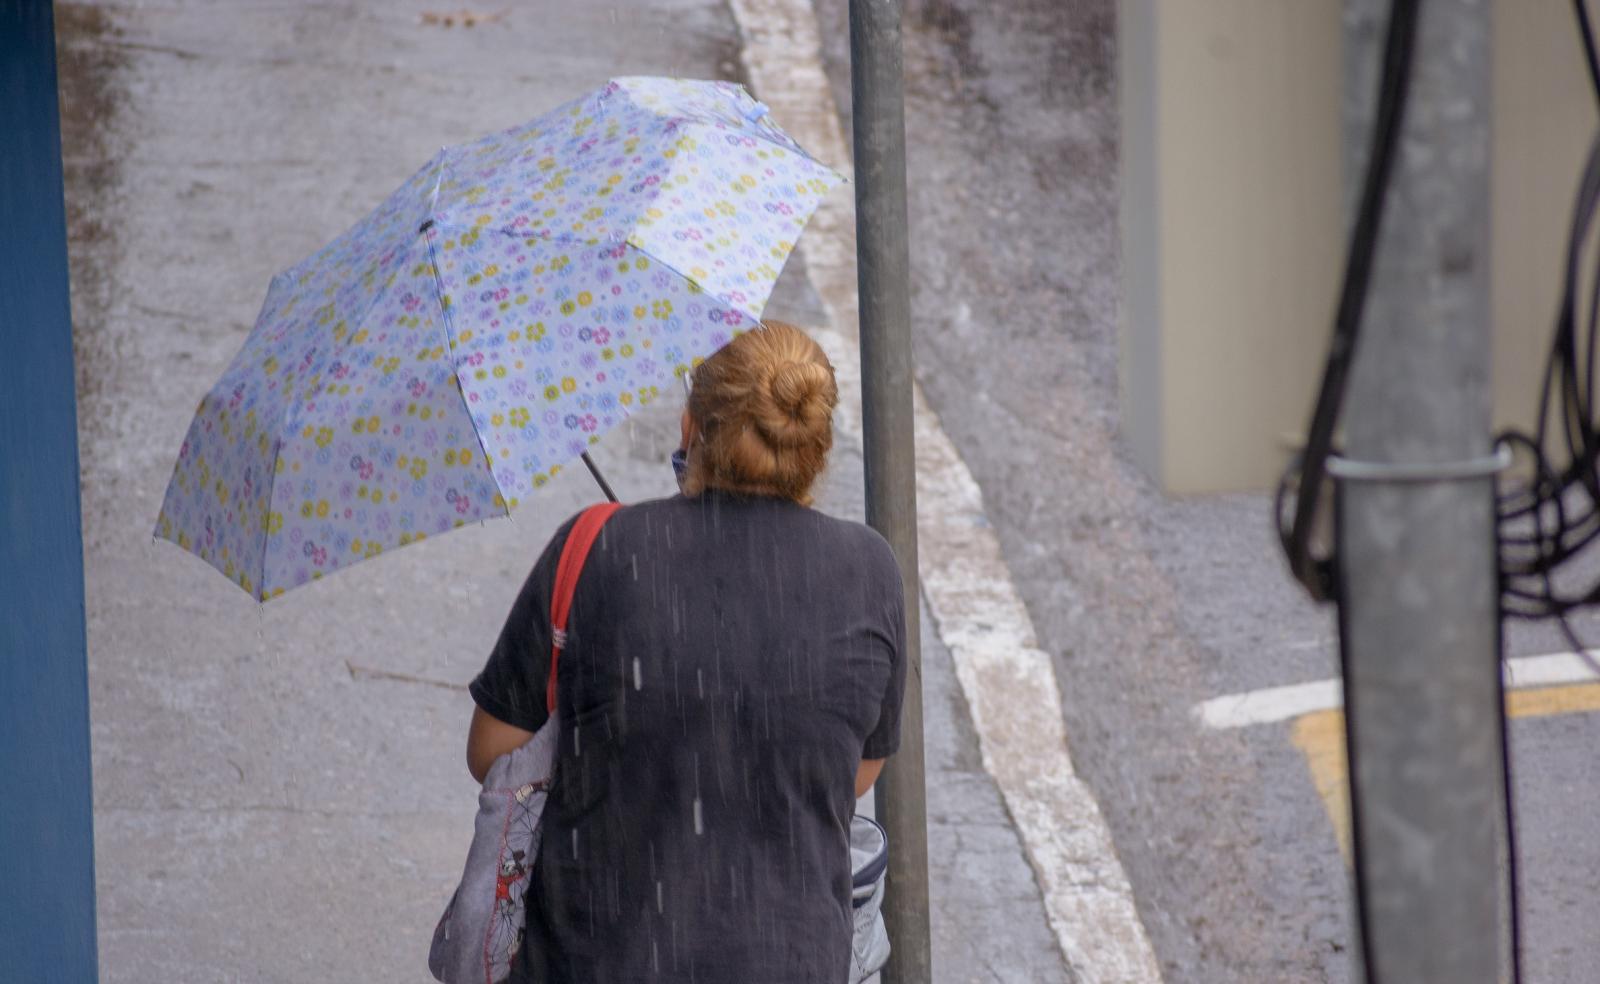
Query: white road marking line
point(1269, 705)
point(1550, 671)
point(1009, 683)
point(1274, 704)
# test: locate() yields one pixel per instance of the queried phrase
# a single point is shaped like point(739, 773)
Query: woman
point(731, 683)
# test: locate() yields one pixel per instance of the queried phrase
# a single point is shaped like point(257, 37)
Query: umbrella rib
point(266, 521)
point(566, 239)
point(450, 346)
point(753, 127)
point(758, 132)
point(756, 316)
point(788, 148)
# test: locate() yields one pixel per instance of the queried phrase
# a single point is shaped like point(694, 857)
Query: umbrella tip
point(757, 111)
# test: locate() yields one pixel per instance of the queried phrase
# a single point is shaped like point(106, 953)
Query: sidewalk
point(280, 792)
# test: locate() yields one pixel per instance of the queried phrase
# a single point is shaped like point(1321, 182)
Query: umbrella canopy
point(513, 300)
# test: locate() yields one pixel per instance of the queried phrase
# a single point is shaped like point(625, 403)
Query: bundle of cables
point(1548, 511)
point(1548, 518)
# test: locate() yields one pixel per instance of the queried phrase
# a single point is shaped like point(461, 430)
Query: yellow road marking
point(1320, 738)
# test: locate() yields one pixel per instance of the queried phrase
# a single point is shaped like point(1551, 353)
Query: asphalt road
point(1151, 605)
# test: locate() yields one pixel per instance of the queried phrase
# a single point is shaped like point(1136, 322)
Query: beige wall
point(1233, 231)
point(1233, 171)
point(1543, 118)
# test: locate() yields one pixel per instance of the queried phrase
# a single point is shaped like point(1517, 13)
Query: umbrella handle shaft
point(595, 471)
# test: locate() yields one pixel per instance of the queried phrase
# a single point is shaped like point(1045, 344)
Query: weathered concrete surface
point(280, 792)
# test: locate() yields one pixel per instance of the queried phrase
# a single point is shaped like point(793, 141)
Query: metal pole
point(600, 479)
point(1419, 613)
point(883, 263)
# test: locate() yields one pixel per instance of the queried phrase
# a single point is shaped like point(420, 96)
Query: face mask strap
point(680, 466)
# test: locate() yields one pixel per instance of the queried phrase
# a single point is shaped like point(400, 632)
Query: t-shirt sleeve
point(511, 687)
point(885, 738)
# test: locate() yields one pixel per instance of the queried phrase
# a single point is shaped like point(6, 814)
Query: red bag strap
point(573, 554)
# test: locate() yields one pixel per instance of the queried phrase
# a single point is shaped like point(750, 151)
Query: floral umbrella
point(517, 297)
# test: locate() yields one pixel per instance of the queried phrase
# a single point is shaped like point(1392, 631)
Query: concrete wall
point(1233, 229)
point(1544, 121)
point(1231, 213)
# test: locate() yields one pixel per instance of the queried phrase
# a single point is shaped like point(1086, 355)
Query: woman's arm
point(514, 682)
point(489, 738)
point(867, 775)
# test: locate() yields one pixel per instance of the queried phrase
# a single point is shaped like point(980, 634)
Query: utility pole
point(1419, 615)
point(884, 265)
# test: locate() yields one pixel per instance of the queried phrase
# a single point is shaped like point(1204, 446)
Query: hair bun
point(763, 405)
point(801, 409)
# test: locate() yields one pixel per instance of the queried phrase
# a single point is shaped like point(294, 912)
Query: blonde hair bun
point(802, 396)
point(763, 406)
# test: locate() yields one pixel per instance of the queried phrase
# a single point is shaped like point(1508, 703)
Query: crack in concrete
point(359, 673)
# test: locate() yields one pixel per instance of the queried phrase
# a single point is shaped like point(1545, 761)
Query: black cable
point(1561, 503)
point(1513, 888)
point(1508, 801)
point(1587, 34)
point(1310, 468)
point(1358, 865)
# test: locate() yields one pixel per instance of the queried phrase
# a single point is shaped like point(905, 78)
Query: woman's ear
point(687, 424)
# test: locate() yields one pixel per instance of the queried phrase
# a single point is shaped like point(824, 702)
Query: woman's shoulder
point(633, 519)
point(628, 509)
point(862, 541)
point(650, 517)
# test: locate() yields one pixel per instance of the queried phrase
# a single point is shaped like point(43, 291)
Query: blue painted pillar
point(47, 920)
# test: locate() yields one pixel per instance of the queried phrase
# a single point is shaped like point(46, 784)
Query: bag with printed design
point(481, 931)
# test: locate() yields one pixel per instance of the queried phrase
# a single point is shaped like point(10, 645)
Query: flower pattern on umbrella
point(512, 301)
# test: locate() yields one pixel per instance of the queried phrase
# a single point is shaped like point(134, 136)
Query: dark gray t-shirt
point(729, 663)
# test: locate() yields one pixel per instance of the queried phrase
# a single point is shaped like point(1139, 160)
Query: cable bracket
point(1486, 466)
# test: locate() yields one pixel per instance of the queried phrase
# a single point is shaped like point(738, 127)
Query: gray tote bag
point(481, 929)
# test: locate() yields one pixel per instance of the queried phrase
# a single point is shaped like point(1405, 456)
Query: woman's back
point(730, 661)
